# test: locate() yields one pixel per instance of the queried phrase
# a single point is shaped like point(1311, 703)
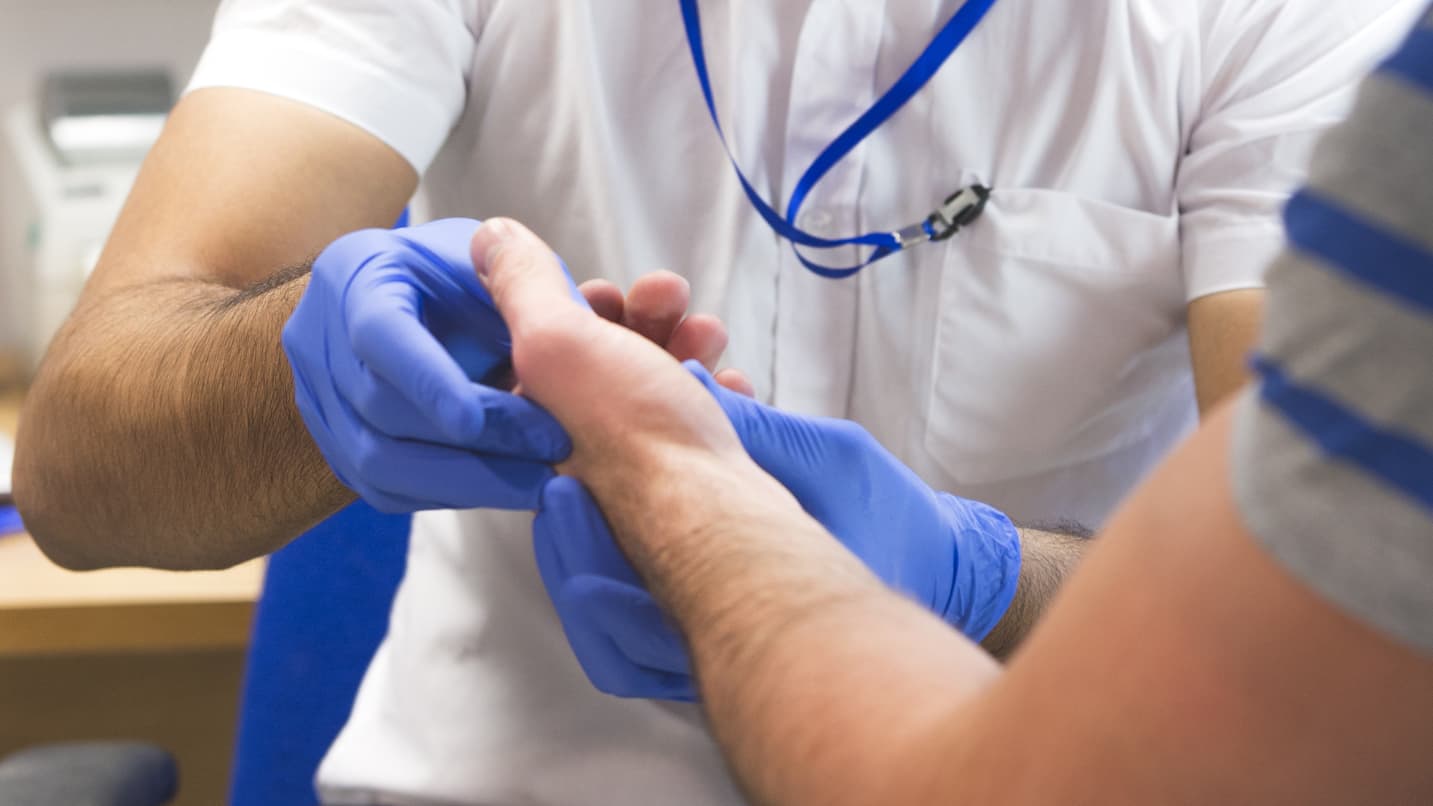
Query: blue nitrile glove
point(390, 347)
point(960, 559)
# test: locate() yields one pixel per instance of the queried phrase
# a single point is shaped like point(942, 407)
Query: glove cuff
point(987, 566)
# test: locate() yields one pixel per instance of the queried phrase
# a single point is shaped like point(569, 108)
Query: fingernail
point(495, 234)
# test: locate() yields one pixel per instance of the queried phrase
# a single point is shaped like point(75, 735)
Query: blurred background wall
point(37, 36)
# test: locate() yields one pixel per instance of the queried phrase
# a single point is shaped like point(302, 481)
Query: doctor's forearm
point(1047, 558)
point(161, 431)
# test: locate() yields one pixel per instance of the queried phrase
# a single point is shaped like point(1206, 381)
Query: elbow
point(76, 514)
point(49, 515)
point(59, 540)
point(56, 507)
point(88, 523)
point(79, 540)
point(47, 491)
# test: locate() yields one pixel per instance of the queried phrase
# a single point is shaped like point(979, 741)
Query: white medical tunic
point(1140, 151)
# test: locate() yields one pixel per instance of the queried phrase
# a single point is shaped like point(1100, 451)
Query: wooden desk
point(46, 610)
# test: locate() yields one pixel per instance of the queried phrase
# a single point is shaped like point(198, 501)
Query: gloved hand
point(392, 347)
point(959, 559)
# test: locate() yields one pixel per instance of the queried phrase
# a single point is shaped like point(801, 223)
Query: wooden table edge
point(45, 631)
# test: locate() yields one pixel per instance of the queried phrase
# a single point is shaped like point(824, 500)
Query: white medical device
point(64, 177)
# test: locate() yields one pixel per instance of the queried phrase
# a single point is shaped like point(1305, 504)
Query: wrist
point(682, 514)
point(658, 495)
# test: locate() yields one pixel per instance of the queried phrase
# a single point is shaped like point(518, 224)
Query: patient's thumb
point(524, 277)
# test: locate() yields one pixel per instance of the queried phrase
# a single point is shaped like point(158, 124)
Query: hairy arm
point(1047, 557)
point(1205, 673)
point(161, 429)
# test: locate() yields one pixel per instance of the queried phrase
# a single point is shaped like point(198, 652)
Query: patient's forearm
point(162, 431)
point(820, 683)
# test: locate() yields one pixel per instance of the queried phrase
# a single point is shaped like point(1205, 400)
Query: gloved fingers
point(784, 445)
point(407, 476)
point(328, 420)
point(512, 426)
point(701, 338)
point(656, 304)
point(443, 477)
point(444, 242)
point(607, 666)
point(392, 504)
point(517, 427)
point(631, 618)
point(387, 410)
point(311, 411)
point(341, 465)
point(619, 635)
point(800, 452)
point(388, 339)
point(401, 475)
point(571, 537)
point(392, 344)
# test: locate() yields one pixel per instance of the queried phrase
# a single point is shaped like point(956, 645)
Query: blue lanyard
point(959, 209)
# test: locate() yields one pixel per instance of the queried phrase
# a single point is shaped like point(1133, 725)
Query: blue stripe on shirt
point(1372, 256)
point(1402, 461)
point(1414, 61)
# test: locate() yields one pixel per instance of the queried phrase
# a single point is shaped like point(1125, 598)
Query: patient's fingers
point(656, 304)
point(605, 298)
point(736, 381)
point(620, 397)
point(700, 337)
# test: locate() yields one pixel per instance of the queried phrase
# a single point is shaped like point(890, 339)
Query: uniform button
point(816, 222)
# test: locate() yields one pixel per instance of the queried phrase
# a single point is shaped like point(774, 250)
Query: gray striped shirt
point(1333, 450)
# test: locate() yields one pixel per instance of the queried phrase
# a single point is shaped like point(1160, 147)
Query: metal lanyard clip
point(958, 210)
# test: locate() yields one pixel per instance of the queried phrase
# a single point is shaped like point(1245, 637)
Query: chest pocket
point(1059, 335)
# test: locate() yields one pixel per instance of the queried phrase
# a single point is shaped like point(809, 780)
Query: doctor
point(1037, 361)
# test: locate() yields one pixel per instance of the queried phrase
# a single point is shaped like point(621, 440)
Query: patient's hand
point(646, 435)
point(656, 307)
